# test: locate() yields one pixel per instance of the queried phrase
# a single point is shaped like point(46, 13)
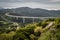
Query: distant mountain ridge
point(26, 11)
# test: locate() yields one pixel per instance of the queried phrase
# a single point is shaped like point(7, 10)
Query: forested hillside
point(26, 11)
point(45, 30)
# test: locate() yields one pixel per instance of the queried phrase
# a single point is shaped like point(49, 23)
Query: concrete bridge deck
point(24, 17)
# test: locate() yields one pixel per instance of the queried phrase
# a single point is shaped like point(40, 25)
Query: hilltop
point(26, 11)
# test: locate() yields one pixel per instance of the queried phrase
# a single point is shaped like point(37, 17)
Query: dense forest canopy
point(45, 30)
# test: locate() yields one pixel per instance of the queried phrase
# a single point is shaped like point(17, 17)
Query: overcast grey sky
point(45, 4)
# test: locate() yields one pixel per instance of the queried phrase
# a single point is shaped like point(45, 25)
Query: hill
point(26, 11)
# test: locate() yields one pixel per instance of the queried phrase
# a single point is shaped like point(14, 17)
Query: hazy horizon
point(44, 4)
point(29, 7)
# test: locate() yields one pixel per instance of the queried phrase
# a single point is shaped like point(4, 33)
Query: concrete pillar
point(23, 19)
point(33, 20)
point(17, 18)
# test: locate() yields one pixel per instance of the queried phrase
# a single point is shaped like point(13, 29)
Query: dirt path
point(49, 25)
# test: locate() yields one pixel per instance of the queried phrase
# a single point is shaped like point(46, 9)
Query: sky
point(44, 4)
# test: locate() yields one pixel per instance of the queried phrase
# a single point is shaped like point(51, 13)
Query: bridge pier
point(23, 19)
point(17, 18)
point(33, 20)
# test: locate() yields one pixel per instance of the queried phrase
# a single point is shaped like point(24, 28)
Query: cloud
point(29, 0)
point(55, 0)
point(46, 4)
point(10, 1)
point(37, 1)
